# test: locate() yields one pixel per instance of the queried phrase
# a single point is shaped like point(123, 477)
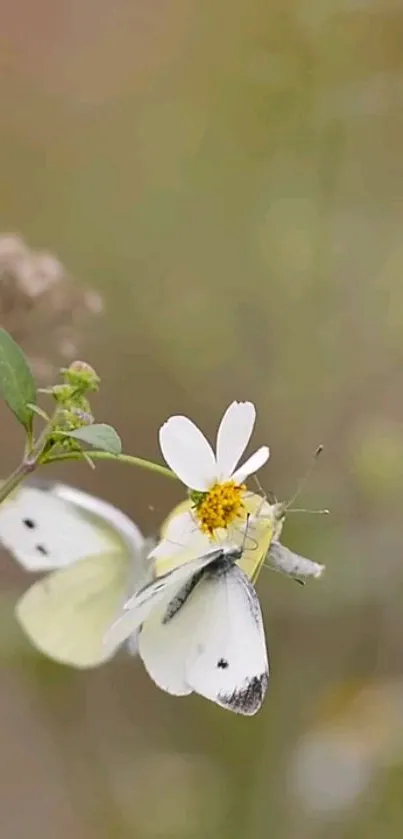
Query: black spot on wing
point(222, 663)
point(248, 700)
point(41, 550)
point(29, 523)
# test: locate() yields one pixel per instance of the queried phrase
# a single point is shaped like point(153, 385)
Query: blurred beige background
point(229, 177)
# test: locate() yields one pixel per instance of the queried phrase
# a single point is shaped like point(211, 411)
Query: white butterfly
point(201, 630)
point(96, 555)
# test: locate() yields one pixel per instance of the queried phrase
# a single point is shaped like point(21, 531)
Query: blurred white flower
point(330, 771)
point(334, 763)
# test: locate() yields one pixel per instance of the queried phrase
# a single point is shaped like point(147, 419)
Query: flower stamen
point(220, 506)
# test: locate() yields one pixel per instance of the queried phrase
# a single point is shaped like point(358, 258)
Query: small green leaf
point(38, 411)
point(99, 436)
point(17, 384)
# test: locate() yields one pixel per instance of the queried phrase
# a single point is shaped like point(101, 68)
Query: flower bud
point(62, 393)
point(82, 376)
point(83, 417)
point(68, 419)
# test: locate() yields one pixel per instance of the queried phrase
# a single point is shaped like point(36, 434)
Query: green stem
point(122, 458)
point(32, 456)
point(14, 479)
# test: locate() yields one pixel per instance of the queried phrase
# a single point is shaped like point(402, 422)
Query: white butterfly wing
point(100, 511)
point(164, 649)
point(156, 595)
point(228, 661)
point(44, 529)
point(141, 575)
point(165, 638)
point(67, 614)
point(214, 645)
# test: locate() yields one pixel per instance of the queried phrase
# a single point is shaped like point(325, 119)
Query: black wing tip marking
point(249, 699)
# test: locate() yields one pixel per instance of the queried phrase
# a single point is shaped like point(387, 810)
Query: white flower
point(191, 457)
point(220, 508)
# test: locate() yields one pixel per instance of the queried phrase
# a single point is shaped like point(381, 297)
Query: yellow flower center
point(220, 506)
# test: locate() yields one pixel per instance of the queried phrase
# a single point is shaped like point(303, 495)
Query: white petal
point(182, 539)
point(235, 533)
point(179, 533)
point(251, 465)
point(181, 528)
point(163, 549)
point(188, 453)
point(198, 545)
point(233, 436)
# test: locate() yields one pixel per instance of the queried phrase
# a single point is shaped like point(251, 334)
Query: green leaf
point(99, 436)
point(38, 411)
point(17, 384)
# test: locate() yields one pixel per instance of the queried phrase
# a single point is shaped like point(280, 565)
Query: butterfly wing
point(164, 641)
point(164, 648)
point(157, 595)
point(214, 645)
point(67, 614)
point(228, 661)
point(47, 525)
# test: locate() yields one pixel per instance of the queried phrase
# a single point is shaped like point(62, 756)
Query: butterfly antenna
point(268, 496)
point(324, 512)
point(303, 482)
point(245, 535)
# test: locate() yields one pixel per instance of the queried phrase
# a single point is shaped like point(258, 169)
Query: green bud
point(83, 417)
point(196, 497)
point(62, 393)
point(68, 397)
point(65, 420)
point(81, 376)
point(68, 444)
point(80, 403)
point(69, 419)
